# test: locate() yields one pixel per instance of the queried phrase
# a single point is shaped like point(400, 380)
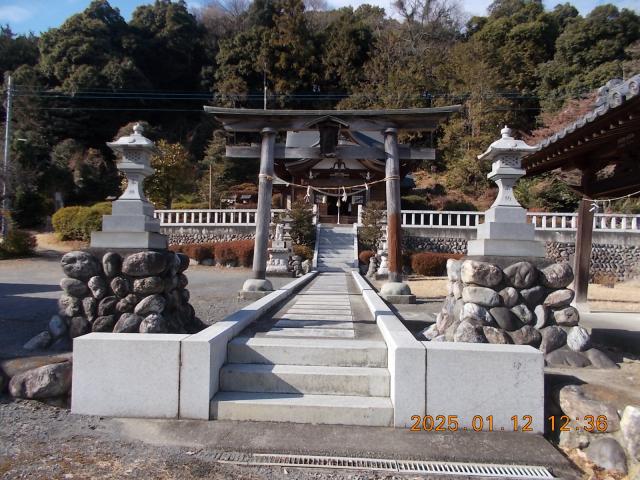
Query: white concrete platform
point(298, 323)
point(298, 408)
point(308, 332)
point(472, 380)
point(126, 375)
point(356, 381)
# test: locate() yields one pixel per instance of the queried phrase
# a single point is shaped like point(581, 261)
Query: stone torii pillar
point(258, 285)
point(394, 291)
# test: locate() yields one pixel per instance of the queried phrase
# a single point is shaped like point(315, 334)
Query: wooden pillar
point(582, 259)
point(263, 216)
point(394, 225)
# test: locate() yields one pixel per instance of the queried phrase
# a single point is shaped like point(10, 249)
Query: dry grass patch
point(49, 241)
point(428, 287)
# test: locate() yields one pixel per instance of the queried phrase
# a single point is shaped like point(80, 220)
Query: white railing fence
point(209, 218)
point(609, 222)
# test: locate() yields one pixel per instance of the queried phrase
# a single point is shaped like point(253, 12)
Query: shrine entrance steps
point(319, 359)
point(335, 248)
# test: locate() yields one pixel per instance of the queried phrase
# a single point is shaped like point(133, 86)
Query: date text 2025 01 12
point(451, 423)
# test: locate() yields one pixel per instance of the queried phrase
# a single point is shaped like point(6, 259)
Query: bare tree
point(437, 19)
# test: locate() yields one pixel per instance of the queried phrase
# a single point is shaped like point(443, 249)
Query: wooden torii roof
point(598, 154)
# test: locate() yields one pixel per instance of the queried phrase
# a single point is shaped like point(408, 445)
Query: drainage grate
point(402, 466)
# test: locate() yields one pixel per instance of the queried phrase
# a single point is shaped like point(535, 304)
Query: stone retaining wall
point(184, 235)
point(620, 261)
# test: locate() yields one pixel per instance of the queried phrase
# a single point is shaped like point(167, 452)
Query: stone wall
point(620, 261)
point(184, 235)
point(141, 292)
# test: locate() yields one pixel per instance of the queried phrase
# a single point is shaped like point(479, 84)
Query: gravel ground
point(39, 441)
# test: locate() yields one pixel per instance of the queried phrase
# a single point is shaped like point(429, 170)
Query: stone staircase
point(335, 248)
point(309, 366)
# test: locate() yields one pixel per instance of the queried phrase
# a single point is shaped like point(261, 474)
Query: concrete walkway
point(319, 359)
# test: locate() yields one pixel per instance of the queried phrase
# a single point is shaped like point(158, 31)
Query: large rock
point(69, 306)
point(42, 382)
point(570, 439)
point(451, 331)
point(150, 304)
point(148, 285)
point(128, 323)
point(599, 359)
point(154, 323)
point(80, 265)
point(576, 404)
point(578, 339)
point(483, 296)
point(144, 264)
point(184, 262)
point(557, 275)
point(559, 298)
point(480, 273)
point(607, 454)
point(469, 333)
point(79, 326)
point(428, 333)
point(509, 296)
point(523, 313)
point(90, 308)
point(495, 335)
point(457, 308)
point(98, 287)
point(505, 318)
point(104, 324)
point(39, 342)
point(127, 304)
point(107, 306)
point(453, 269)
point(111, 264)
point(57, 326)
point(443, 321)
point(120, 287)
point(541, 315)
point(630, 426)
point(456, 289)
point(183, 281)
point(521, 275)
point(472, 311)
point(533, 296)
point(567, 317)
point(566, 358)
point(553, 338)
point(74, 287)
point(526, 335)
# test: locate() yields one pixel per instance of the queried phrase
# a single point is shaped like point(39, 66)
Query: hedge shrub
point(305, 251)
point(365, 255)
point(77, 223)
point(17, 243)
point(237, 252)
point(431, 264)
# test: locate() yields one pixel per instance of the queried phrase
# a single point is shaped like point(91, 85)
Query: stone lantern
point(131, 224)
point(505, 231)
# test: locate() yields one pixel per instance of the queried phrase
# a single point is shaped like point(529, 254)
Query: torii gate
point(329, 123)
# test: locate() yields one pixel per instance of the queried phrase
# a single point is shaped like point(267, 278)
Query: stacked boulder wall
point(519, 304)
point(141, 292)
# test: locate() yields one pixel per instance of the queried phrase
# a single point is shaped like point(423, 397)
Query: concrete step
point(308, 351)
point(297, 408)
point(321, 380)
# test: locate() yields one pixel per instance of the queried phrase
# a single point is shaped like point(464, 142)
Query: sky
point(39, 15)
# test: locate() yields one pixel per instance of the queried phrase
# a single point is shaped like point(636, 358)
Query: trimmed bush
point(305, 251)
point(431, 264)
point(189, 206)
point(365, 256)
point(17, 243)
point(77, 223)
point(237, 252)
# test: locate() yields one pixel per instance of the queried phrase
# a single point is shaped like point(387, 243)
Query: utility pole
point(210, 186)
point(5, 165)
point(264, 84)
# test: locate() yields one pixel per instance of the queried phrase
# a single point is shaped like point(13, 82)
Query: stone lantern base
point(129, 240)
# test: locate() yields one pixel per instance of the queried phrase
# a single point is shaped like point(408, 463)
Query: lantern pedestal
point(131, 224)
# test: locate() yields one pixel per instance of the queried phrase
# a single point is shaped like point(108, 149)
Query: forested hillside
point(78, 85)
